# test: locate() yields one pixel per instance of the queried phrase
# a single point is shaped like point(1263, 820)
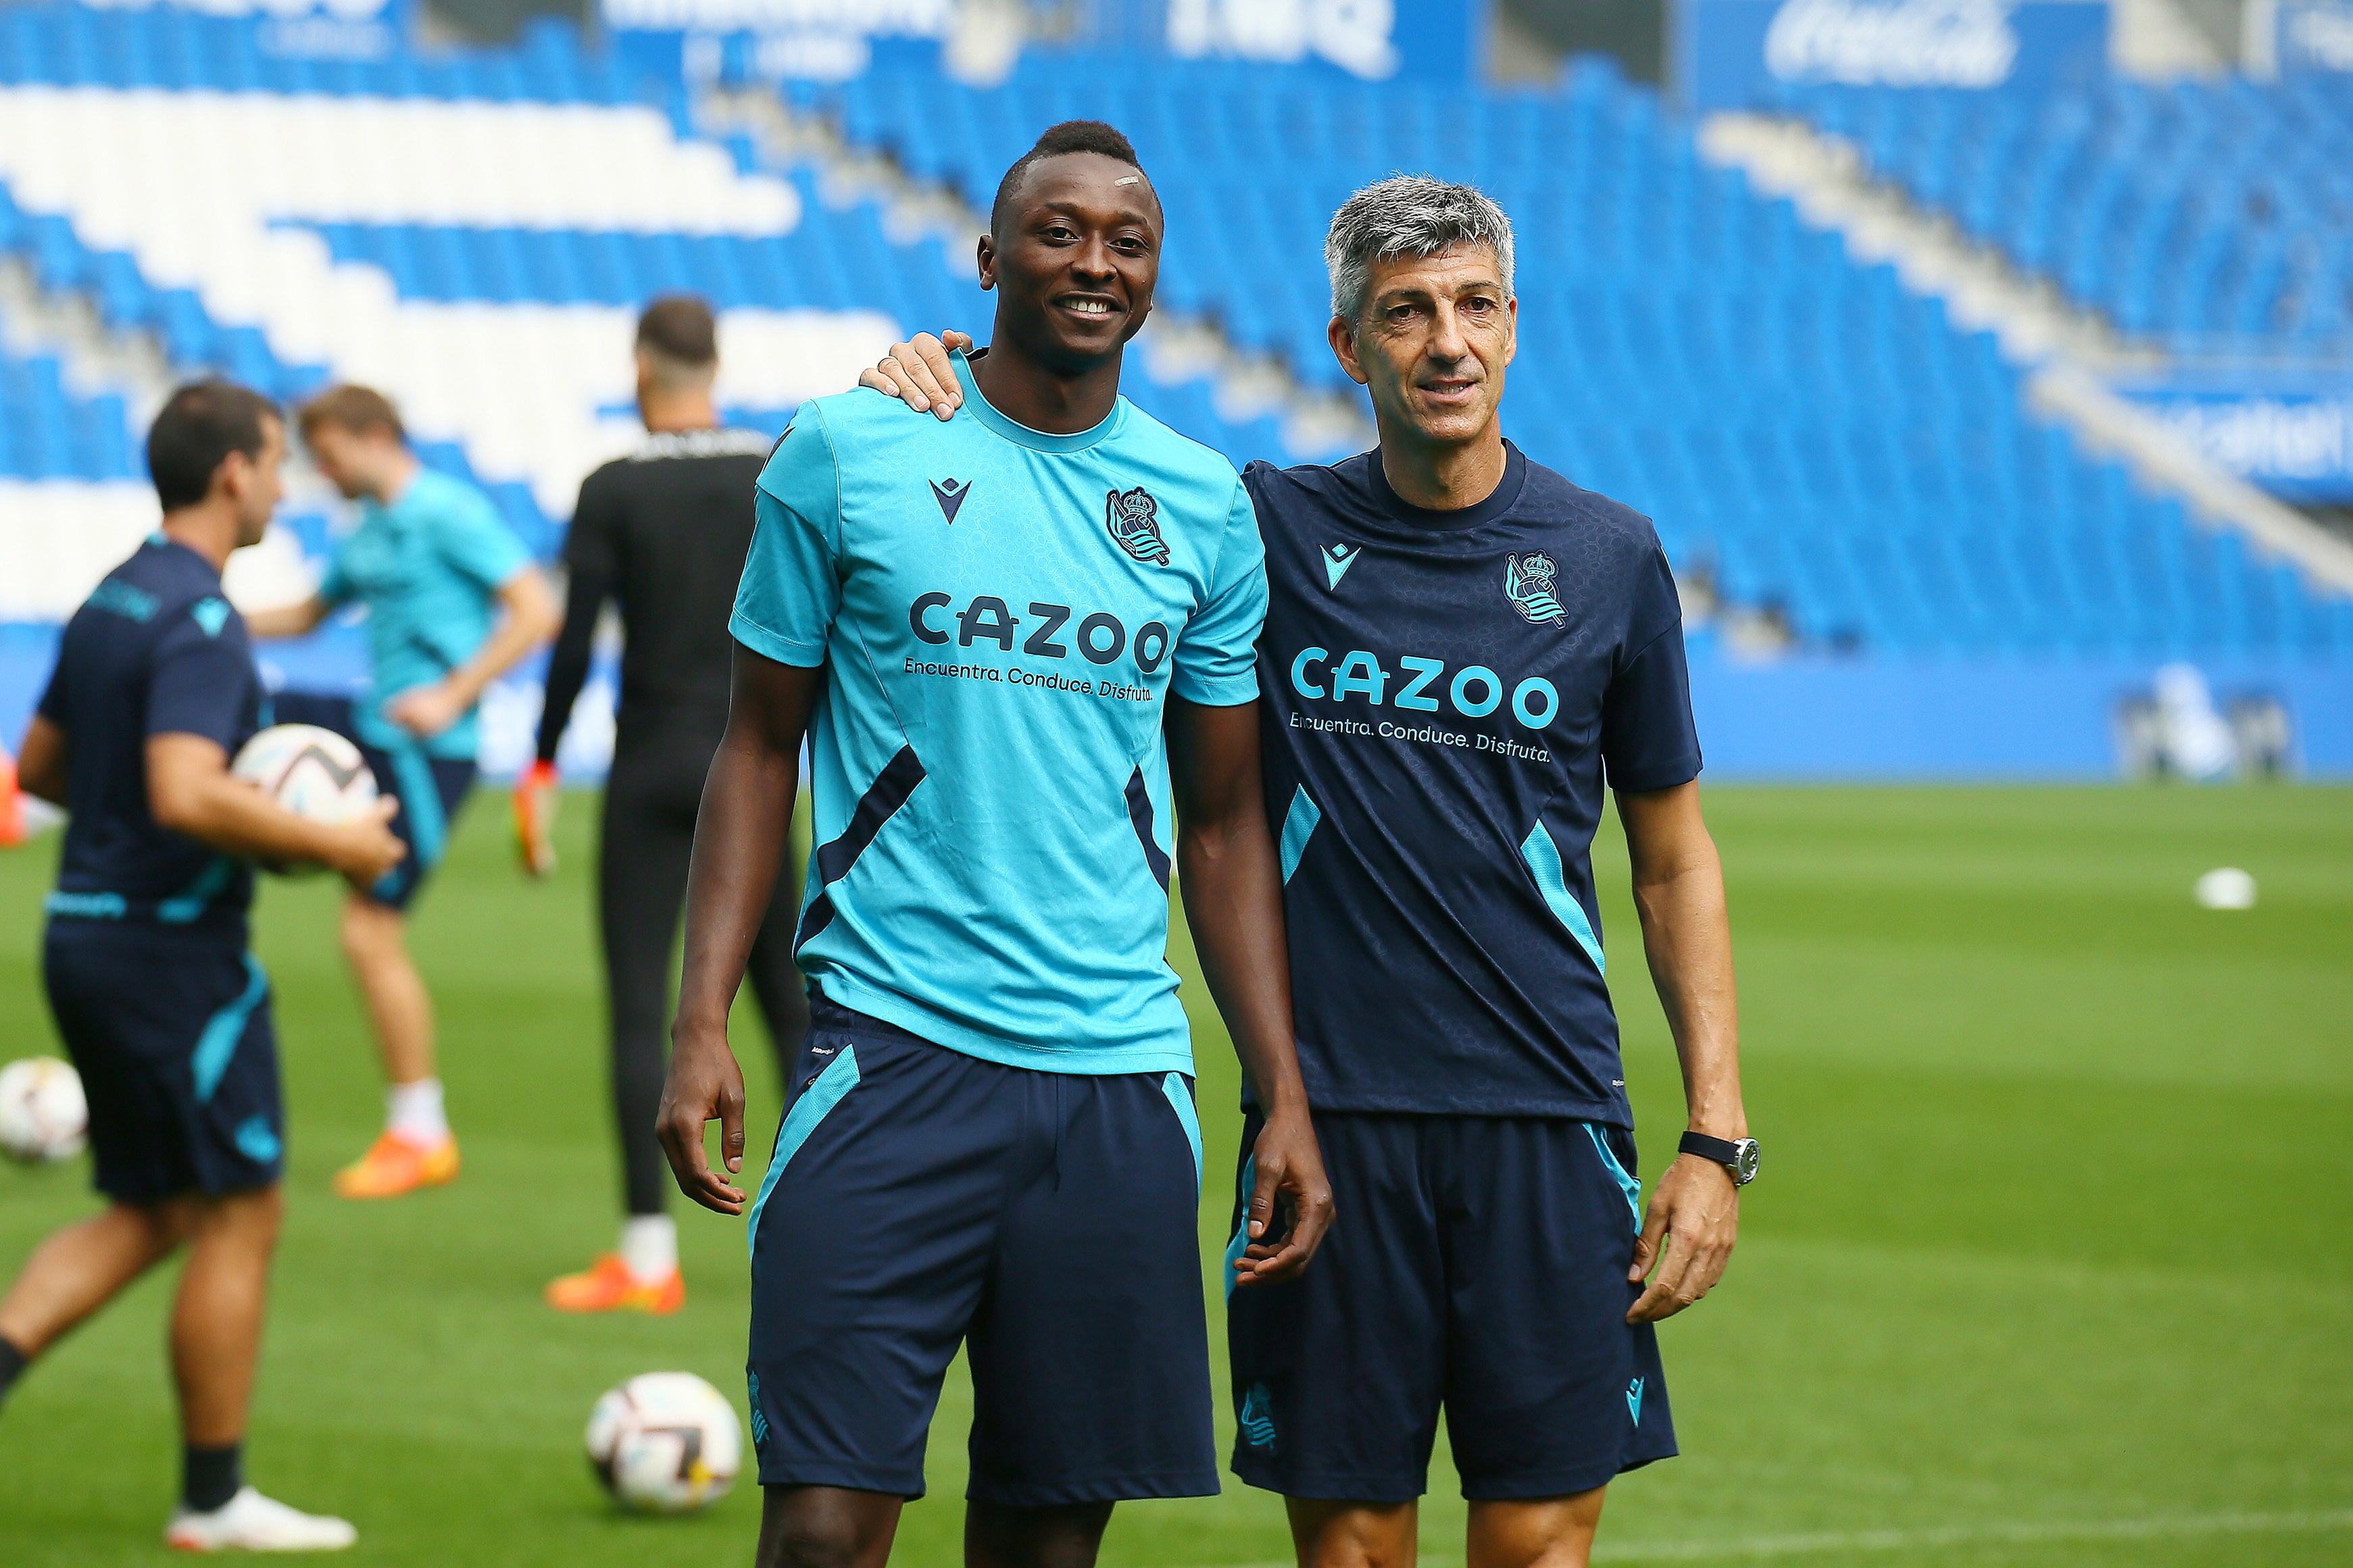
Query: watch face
point(1744, 1164)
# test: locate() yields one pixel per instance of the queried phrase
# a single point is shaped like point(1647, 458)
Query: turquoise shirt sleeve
point(335, 587)
point(1217, 655)
point(475, 542)
point(791, 588)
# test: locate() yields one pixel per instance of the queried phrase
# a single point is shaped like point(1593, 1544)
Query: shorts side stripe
point(810, 1109)
point(225, 1028)
point(1181, 1097)
point(420, 798)
point(1240, 1243)
point(1626, 1184)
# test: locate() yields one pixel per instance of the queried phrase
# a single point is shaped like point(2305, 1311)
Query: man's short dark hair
point(201, 424)
point(681, 326)
point(1070, 136)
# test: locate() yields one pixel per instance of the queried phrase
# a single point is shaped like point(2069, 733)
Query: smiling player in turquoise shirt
point(1021, 647)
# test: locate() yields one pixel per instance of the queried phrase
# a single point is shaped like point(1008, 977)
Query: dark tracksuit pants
point(650, 801)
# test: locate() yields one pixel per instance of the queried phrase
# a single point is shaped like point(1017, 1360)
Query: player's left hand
point(1290, 1167)
point(426, 710)
point(1693, 1221)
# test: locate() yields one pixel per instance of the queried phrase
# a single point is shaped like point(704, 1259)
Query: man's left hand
point(1290, 1165)
point(426, 710)
point(1693, 1218)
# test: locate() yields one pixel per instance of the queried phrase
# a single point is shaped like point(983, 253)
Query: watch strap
point(1722, 1151)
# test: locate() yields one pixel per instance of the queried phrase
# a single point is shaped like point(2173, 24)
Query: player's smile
point(1091, 307)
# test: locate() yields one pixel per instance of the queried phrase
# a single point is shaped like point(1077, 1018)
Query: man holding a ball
point(165, 1012)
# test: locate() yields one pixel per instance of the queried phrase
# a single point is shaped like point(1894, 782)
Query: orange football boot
point(394, 1166)
point(610, 1287)
point(12, 805)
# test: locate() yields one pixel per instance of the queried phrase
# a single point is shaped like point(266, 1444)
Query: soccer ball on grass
point(665, 1442)
point(43, 1115)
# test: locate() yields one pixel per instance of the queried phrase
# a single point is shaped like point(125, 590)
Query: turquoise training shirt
point(429, 568)
point(1004, 615)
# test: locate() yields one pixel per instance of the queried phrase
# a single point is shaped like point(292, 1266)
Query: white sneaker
point(251, 1522)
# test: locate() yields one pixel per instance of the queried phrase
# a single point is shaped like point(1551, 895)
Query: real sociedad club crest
point(1527, 582)
point(1134, 518)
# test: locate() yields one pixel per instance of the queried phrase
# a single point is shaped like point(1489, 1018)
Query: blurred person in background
point(663, 532)
point(453, 600)
point(165, 1012)
point(1456, 627)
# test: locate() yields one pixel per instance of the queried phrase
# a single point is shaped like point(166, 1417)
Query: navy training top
point(156, 649)
point(1448, 693)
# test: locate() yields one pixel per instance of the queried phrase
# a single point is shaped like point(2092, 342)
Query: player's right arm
point(41, 764)
point(784, 614)
point(290, 620)
point(739, 842)
point(191, 790)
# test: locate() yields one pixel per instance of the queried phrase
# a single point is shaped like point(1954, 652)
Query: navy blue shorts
point(1479, 1262)
point(431, 790)
point(919, 1198)
point(172, 1035)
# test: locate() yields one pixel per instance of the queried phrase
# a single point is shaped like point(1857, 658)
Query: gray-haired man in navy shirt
point(1462, 650)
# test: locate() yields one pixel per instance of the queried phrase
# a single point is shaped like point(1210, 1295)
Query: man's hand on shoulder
point(920, 373)
point(1693, 1219)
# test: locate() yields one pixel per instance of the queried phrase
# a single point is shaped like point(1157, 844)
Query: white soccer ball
point(666, 1442)
point(2225, 888)
point(313, 772)
point(43, 1115)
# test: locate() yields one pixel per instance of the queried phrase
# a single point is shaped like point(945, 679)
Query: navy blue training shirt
point(1447, 694)
point(156, 649)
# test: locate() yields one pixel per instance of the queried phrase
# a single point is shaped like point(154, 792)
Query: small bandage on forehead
point(1129, 180)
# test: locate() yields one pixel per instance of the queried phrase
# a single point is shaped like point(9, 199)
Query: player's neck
point(210, 531)
point(1443, 476)
point(1030, 392)
point(392, 481)
point(672, 413)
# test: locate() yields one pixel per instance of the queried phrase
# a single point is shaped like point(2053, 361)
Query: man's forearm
point(529, 618)
point(287, 620)
point(1233, 905)
point(739, 842)
point(1687, 940)
point(567, 662)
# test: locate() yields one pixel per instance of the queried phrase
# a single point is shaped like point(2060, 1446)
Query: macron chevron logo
point(1337, 559)
point(950, 495)
point(1634, 1401)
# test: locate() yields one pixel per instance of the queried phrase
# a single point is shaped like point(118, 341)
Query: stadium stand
point(2205, 217)
point(1804, 431)
point(473, 230)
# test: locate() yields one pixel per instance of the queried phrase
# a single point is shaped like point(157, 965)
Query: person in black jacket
point(663, 533)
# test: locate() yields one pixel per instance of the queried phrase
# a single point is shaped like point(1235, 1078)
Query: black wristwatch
point(1735, 1155)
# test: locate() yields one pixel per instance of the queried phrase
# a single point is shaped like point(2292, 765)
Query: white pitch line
point(1861, 1541)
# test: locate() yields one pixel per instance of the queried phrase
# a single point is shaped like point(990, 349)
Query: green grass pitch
point(2052, 1262)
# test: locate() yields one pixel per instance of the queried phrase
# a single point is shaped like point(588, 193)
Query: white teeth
point(1089, 307)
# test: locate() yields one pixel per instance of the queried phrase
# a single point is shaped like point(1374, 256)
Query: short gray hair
point(1407, 215)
